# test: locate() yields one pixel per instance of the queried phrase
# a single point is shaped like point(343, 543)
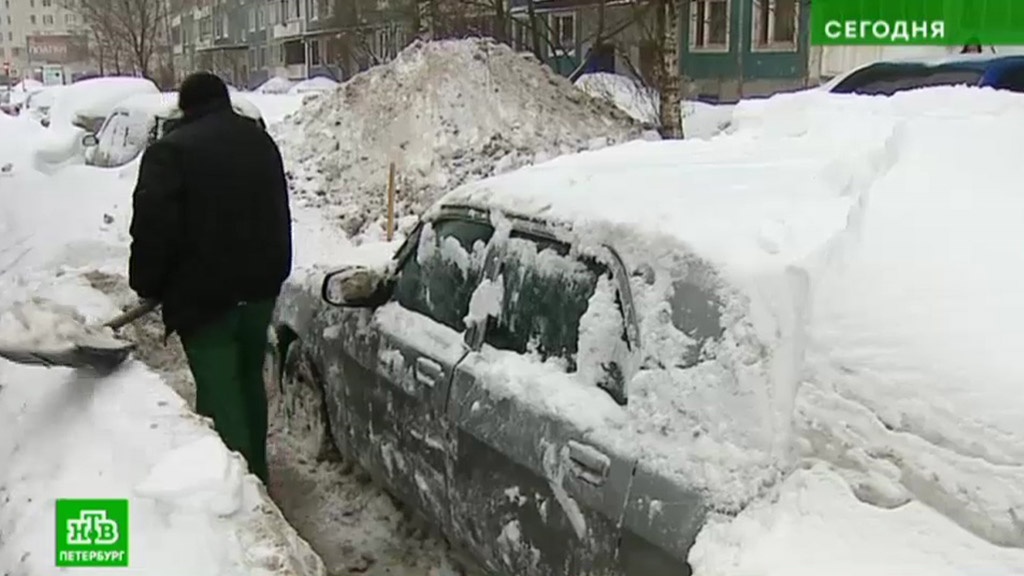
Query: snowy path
point(130, 435)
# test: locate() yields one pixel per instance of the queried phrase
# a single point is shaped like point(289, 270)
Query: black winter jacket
point(211, 225)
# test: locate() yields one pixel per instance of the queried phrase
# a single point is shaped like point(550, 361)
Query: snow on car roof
point(735, 201)
point(165, 105)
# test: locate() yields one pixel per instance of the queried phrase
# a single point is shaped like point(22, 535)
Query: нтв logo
point(92, 533)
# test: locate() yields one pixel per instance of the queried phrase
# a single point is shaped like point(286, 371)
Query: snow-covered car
point(86, 104)
point(314, 85)
point(141, 120)
point(472, 373)
point(38, 103)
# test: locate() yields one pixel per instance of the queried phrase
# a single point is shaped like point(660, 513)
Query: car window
point(111, 137)
point(547, 294)
point(438, 278)
point(887, 79)
point(696, 311)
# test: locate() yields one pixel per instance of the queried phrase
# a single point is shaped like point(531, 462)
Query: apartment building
point(37, 33)
point(248, 41)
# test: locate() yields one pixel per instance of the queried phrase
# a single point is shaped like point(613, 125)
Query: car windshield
point(887, 79)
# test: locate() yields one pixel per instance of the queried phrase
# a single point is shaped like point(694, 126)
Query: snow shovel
point(96, 352)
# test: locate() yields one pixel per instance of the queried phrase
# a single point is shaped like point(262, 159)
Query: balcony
point(289, 29)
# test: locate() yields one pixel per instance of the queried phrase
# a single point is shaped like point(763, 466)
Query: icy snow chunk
point(38, 323)
point(601, 334)
point(201, 475)
point(486, 300)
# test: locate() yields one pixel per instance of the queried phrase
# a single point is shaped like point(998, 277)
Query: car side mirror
point(90, 140)
point(355, 287)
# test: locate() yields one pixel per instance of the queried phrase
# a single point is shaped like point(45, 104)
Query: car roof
point(642, 196)
point(165, 105)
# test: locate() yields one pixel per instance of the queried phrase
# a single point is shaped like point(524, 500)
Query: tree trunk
point(531, 11)
point(669, 84)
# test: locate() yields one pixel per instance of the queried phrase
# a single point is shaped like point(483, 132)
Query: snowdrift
point(446, 113)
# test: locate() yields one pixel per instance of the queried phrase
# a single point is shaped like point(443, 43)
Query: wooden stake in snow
point(391, 201)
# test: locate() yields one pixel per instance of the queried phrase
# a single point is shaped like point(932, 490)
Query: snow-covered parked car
point(139, 121)
point(314, 85)
point(482, 375)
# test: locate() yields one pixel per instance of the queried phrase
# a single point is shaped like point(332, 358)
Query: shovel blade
point(101, 358)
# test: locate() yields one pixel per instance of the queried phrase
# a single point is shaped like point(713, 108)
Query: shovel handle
point(132, 314)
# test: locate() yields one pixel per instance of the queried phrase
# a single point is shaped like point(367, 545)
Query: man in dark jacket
point(211, 241)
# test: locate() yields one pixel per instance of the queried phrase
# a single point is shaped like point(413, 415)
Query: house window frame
point(706, 25)
point(773, 45)
point(561, 49)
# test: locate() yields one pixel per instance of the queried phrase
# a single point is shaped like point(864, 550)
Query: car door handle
point(588, 463)
point(428, 371)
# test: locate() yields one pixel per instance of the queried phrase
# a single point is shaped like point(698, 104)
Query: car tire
point(301, 410)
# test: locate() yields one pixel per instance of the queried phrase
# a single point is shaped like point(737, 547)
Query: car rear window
point(887, 79)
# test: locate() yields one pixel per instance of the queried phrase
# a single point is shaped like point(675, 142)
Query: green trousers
point(226, 358)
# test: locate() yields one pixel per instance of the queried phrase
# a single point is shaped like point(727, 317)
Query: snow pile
point(315, 84)
point(275, 85)
point(630, 95)
point(700, 120)
point(446, 113)
point(867, 266)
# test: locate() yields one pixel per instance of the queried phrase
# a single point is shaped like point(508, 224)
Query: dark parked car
point(412, 359)
point(888, 77)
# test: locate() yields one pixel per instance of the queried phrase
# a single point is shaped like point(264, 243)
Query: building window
point(224, 25)
point(69, 19)
point(775, 24)
point(261, 17)
point(31, 3)
point(263, 57)
point(15, 52)
point(296, 9)
point(47, 3)
point(32, 18)
point(48, 19)
point(563, 28)
point(252, 18)
point(709, 24)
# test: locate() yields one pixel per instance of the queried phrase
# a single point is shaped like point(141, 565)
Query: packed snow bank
point(869, 271)
point(65, 435)
point(446, 113)
point(910, 381)
point(816, 526)
point(700, 120)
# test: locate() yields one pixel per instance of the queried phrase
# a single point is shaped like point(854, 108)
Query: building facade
point(37, 35)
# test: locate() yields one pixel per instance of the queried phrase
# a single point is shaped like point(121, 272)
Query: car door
point(398, 419)
point(534, 490)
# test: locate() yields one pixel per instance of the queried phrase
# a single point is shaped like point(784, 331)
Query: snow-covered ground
point(880, 260)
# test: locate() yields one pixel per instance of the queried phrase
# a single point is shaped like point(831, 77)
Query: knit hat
point(202, 89)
